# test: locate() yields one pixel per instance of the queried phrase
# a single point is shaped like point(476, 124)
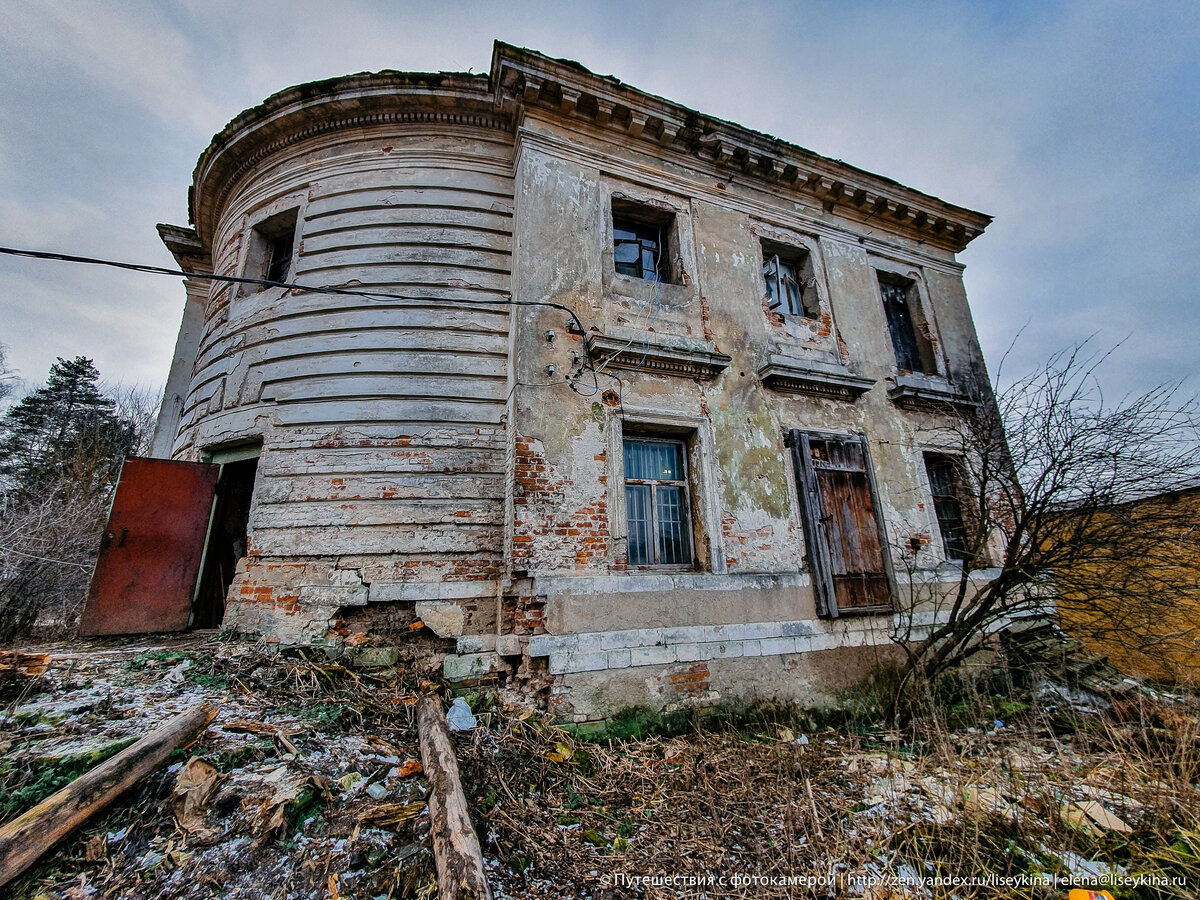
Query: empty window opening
point(271, 249)
point(945, 484)
point(791, 285)
point(657, 502)
point(227, 538)
point(281, 256)
point(641, 241)
point(913, 353)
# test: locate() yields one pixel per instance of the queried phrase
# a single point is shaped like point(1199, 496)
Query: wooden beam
point(455, 845)
point(26, 838)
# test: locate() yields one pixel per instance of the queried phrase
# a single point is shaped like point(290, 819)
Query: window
point(641, 240)
point(790, 284)
point(657, 502)
point(913, 353)
point(843, 527)
point(944, 484)
point(280, 259)
point(272, 246)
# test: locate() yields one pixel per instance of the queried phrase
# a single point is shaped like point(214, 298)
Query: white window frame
point(708, 549)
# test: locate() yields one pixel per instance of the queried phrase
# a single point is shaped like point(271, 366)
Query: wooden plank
point(365, 255)
point(400, 199)
point(455, 845)
point(26, 838)
point(433, 235)
point(323, 362)
point(339, 219)
point(399, 387)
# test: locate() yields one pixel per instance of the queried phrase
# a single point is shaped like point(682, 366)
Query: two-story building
point(576, 385)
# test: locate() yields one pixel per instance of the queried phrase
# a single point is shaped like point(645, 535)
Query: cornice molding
point(523, 79)
point(779, 215)
point(654, 357)
point(355, 102)
point(186, 247)
point(792, 376)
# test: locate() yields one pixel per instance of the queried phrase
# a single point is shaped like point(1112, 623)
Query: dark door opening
point(226, 541)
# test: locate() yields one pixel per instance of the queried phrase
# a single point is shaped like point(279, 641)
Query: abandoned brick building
point(640, 413)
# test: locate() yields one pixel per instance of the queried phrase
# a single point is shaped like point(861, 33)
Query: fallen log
point(455, 845)
point(25, 838)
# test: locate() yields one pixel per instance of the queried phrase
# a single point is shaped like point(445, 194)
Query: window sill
point(792, 376)
point(690, 359)
point(928, 392)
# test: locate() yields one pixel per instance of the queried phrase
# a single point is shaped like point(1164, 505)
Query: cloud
point(1072, 122)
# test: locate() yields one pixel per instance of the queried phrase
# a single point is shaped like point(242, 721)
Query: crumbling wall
point(382, 472)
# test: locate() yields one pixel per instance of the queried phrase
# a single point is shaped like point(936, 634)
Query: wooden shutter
point(842, 524)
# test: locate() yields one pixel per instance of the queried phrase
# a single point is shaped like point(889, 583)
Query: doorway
point(227, 535)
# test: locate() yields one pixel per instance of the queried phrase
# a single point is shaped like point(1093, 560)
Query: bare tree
point(8, 378)
point(1055, 486)
point(61, 448)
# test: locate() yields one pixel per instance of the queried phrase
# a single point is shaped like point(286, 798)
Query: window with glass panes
point(638, 249)
point(785, 289)
point(656, 503)
point(943, 484)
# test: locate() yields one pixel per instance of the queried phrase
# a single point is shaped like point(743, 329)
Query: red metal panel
point(151, 550)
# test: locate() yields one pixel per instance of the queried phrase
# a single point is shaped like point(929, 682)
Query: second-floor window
point(271, 249)
point(642, 238)
point(638, 249)
point(898, 296)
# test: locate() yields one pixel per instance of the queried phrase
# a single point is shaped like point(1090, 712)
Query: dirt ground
point(308, 785)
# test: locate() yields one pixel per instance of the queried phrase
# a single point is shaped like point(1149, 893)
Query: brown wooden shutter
point(842, 524)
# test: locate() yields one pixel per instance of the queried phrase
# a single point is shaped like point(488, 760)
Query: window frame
point(642, 220)
point(895, 293)
point(266, 238)
point(641, 232)
point(696, 433)
point(682, 483)
point(956, 474)
point(800, 261)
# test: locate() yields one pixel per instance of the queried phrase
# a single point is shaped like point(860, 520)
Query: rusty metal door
point(150, 554)
point(842, 525)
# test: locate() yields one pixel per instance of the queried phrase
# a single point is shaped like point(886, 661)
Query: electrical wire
point(315, 289)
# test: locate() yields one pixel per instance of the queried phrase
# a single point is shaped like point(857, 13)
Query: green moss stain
point(748, 445)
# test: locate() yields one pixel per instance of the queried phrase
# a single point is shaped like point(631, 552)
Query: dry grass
point(768, 793)
point(745, 798)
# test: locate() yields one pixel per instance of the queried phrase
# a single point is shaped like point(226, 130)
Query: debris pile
point(310, 783)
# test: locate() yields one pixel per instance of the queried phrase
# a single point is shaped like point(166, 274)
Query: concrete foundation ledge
point(596, 651)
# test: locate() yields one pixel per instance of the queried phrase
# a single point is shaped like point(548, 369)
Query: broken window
point(913, 353)
point(790, 284)
point(641, 237)
point(657, 502)
point(945, 483)
point(271, 249)
point(843, 527)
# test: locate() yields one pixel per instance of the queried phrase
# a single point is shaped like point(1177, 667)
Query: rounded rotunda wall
point(381, 470)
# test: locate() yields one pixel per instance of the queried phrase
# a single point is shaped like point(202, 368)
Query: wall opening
point(227, 538)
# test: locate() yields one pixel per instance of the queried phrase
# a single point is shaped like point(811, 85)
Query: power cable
point(309, 288)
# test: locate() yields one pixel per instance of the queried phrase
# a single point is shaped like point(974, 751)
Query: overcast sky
point(1075, 124)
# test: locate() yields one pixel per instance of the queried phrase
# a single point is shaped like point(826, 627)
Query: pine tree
point(64, 436)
